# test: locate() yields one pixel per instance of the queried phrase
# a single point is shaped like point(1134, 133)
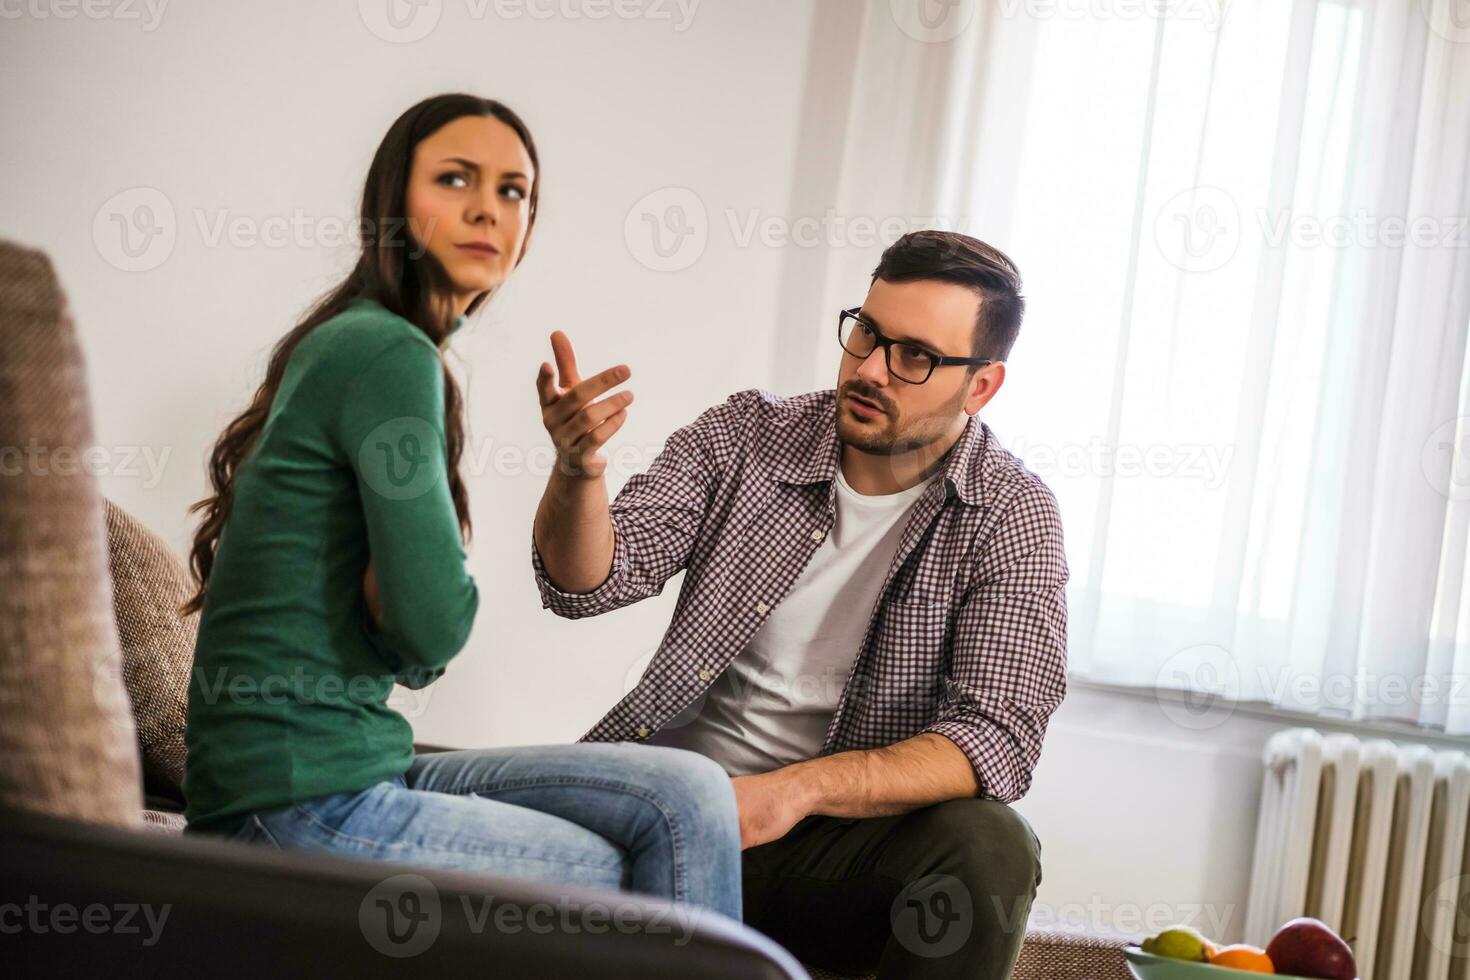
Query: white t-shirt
point(772, 704)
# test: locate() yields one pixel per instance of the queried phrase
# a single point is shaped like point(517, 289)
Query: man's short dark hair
point(946, 256)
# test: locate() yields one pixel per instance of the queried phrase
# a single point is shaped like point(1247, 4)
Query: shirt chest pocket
point(910, 651)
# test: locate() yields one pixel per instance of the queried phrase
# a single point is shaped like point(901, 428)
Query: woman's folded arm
point(391, 426)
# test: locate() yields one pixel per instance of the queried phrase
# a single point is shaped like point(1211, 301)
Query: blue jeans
point(642, 818)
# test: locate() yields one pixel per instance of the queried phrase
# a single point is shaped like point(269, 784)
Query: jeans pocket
point(254, 831)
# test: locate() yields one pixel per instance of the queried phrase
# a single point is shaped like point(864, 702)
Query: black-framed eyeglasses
point(905, 361)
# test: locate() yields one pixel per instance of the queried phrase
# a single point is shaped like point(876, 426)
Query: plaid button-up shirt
point(968, 637)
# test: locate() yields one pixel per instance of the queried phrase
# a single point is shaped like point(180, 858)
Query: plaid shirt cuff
point(994, 783)
point(575, 605)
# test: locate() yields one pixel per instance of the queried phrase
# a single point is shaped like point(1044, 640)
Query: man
point(871, 632)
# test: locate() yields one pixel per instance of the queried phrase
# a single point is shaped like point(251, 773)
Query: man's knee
point(985, 843)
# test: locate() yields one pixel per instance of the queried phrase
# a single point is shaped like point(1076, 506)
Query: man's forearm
point(574, 532)
point(919, 771)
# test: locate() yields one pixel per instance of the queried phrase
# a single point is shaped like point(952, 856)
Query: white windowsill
point(1364, 728)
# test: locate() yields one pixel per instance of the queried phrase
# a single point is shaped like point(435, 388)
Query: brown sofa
point(92, 756)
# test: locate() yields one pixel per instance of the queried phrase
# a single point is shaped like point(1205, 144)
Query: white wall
point(272, 110)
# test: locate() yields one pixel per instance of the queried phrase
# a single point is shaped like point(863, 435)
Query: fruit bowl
point(1147, 966)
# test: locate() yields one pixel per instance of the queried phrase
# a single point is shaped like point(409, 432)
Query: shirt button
point(704, 675)
point(817, 534)
point(762, 608)
point(643, 731)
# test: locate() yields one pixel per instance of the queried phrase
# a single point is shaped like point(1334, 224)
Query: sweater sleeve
point(390, 425)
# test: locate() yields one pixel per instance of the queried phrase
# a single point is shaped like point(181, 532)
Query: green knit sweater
point(288, 697)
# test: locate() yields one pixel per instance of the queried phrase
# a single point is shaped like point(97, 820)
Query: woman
point(330, 564)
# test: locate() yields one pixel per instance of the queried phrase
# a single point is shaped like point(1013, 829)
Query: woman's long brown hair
point(392, 269)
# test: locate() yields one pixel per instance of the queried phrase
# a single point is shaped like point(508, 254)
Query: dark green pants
point(941, 891)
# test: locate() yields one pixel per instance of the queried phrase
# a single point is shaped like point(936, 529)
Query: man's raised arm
point(573, 531)
point(591, 557)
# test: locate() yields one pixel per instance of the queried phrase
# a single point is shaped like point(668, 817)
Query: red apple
point(1306, 947)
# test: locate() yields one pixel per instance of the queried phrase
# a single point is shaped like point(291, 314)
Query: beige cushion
point(149, 583)
point(67, 743)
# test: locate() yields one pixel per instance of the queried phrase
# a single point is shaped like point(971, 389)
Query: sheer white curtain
point(1243, 367)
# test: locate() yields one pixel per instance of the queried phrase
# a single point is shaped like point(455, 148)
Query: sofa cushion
point(148, 585)
point(67, 743)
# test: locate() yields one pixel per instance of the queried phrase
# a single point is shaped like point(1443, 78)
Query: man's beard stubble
point(892, 438)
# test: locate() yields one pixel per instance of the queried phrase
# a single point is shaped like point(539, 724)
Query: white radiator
point(1369, 837)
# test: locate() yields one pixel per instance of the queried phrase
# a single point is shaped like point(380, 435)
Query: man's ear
point(984, 385)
